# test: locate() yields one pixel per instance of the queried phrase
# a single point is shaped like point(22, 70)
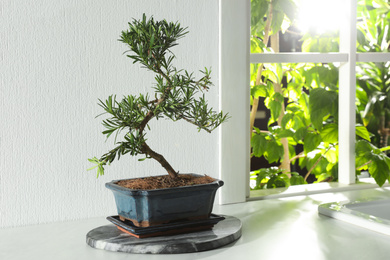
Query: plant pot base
point(157, 223)
point(173, 228)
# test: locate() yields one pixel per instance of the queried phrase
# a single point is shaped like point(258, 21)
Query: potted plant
point(178, 96)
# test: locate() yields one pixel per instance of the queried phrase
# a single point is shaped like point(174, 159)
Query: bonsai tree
point(178, 96)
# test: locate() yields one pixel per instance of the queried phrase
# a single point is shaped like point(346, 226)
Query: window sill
point(308, 189)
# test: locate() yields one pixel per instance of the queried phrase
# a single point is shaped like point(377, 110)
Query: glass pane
point(294, 26)
point(373, 20)
point(372, 93)
point(295, 135)
point(373, 118)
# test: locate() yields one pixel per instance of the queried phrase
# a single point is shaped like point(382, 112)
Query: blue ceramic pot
point(153, 207)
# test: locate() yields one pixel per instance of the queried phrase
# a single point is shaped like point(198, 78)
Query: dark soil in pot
point(164, 181)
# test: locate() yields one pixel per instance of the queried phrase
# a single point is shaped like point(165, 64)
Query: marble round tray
point(110, 238)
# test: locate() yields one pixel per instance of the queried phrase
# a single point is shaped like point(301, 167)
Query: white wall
point(59, 57)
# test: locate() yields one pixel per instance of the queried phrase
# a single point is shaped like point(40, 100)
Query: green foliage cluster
point(177, 95)
point(274, 177)
point(309, 99)
point(373, 78)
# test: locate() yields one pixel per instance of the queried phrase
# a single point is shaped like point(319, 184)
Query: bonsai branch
point(174, 98)
point(158, 157)
point(194, 123)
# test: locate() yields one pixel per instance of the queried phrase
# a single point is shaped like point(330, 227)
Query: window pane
point(373, 20)
point(294, 26)
point(296, 122)
point(373, 105)
point(372, 93)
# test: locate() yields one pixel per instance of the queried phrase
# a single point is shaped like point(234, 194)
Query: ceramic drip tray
point(180, 227)
point(373, 215)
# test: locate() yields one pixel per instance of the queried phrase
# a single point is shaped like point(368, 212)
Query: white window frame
point(234, 75)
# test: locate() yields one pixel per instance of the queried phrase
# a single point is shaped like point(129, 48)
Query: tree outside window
point(297, 141)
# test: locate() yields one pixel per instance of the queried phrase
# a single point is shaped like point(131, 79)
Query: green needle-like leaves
point(178, 95)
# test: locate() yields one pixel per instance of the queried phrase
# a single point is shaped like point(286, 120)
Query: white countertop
point(288, 228)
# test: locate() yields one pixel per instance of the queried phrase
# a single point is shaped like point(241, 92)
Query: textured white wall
point(59, 57)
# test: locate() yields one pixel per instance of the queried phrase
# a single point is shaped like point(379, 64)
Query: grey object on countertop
point(110, 238)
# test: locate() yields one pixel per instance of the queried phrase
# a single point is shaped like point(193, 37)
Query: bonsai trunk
point(158, 157)
point(147, 150)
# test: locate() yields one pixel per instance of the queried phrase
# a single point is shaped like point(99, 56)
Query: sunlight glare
point(318, 16)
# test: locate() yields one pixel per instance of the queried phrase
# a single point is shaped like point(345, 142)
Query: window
point(235, 58)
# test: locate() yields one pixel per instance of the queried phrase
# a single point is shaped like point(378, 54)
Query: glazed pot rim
point(113, 186)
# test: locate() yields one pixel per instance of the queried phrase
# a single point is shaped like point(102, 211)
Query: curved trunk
point(158, 157)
